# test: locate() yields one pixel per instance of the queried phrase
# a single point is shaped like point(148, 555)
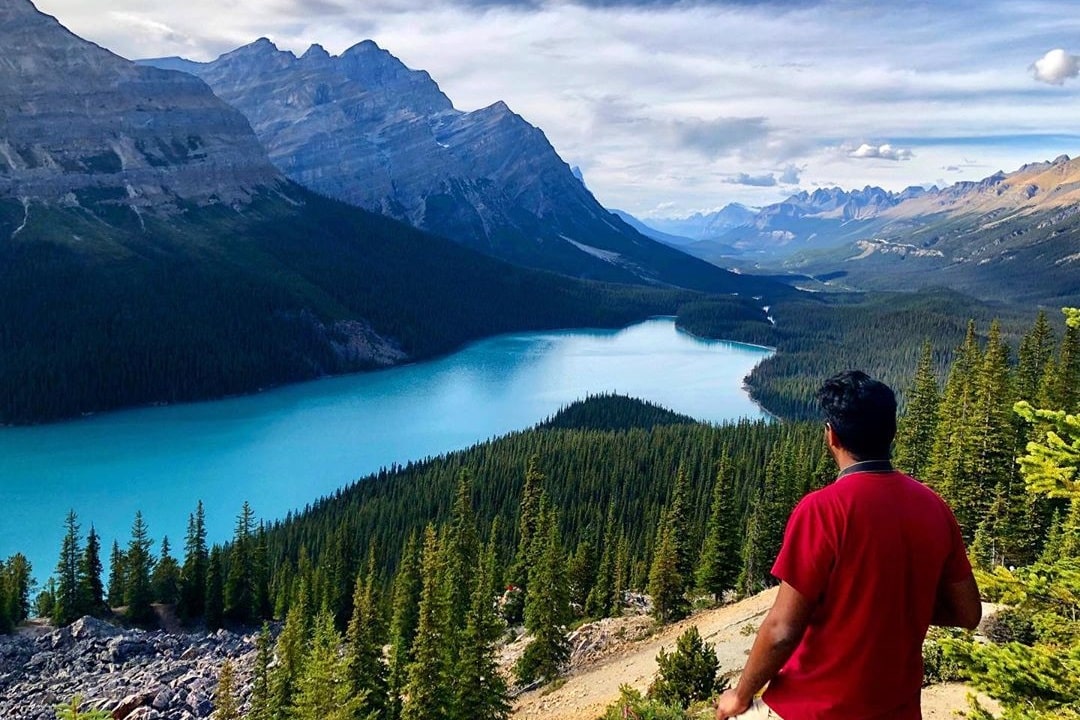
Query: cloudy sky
point(676, 106)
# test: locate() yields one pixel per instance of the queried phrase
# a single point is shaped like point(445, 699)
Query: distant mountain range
point(363, 128)
point(152, 253)
point(989, 237)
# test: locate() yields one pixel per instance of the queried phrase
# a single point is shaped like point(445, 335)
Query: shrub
point(632, 704)
point(688, 673)
point(1010, 625)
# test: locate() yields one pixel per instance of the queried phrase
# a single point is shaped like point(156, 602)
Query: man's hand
point(731, 705)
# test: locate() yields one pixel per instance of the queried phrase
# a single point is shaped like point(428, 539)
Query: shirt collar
point(873, 466)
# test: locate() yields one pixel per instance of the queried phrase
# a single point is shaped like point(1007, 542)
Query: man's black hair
point(862, 413)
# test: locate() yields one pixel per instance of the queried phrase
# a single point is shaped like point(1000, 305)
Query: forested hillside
point(561, 522)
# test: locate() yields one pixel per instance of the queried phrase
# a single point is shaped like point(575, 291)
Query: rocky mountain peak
point(80, 120)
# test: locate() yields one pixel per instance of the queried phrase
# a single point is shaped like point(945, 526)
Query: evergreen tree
point(992, 464)
point(166, 577)
point(226, 702)
point(621, 582)
point(601, 597)
point(406, 617)
point(1036, 352)
point(429, 692)
point(260, 681)
point(366, 667)
point(214, 594)
point(764, 530)
point(718, 569)
point(138, 567)
point(918, 426)
point(666, 585)
point(193, 581)
point(66, 605)
point(240, 582)
point(547, 604)
point(291, 651)
point(680, 521)
point(461, 550)
point(116, 576)
point(481, 691)
point(528, 516)
point(91, 589)
point(581, 574)
point(323, 691)
point(688, 674)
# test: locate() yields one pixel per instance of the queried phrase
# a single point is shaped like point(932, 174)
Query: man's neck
point(881, 465)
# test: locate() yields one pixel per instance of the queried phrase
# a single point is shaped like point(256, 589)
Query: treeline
point(879, 333)
point(15, 583)
point(208, 302)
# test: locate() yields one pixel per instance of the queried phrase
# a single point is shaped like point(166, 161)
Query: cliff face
point(76, 120)
point(365, 129)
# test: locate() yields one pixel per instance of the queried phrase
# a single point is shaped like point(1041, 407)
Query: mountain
point(363, 128)
point(1012, 236)
point(151, 253)
point(79, 122)
point(705, 226)
point(641, 227)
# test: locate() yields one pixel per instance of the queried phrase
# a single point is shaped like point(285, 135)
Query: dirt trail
point(589, 689)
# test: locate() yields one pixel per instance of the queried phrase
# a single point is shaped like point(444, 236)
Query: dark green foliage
point(719, 565)
point(667, 586)
point(613, 412)
point(214, 611)
point(260, 682)
point(165, 581)
point(429, 692)
point(115, 596)
point(91, 589)
point(481, 692)
point(365, 665)
point(210, 301)
point(817, 336)
point(66, 603)
point(631, 704)
point(918, 426)
point(323, 689)
point(138, 568)
point(406, 617)
point(240, 590)
point(688, 673)
point(193, 580)
point(15, 585)
point(547, 604)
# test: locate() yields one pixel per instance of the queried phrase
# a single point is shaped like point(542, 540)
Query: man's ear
point(830, 437)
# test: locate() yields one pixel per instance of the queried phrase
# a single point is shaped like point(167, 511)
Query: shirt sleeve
point(957, 566)
point(808, 554)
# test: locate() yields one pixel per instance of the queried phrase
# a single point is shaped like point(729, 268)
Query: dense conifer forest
point(551, 526)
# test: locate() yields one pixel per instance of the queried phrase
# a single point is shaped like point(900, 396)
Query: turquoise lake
point(283, 448)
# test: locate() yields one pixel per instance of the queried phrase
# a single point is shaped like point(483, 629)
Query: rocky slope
point(134, 675)
point(78, 122)
point(363, 128)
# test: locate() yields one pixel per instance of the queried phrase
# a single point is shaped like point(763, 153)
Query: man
point(867, 565)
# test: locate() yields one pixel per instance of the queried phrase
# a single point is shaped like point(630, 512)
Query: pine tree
point(240, 582)
point(1036, 352)
point(291, 651)
point(918, 426)
point(687, 674)
point(581, 573)
point(226, 702)
point(366, 667)
point(764, 530)
point(193, 580)
point(323, 691)
point(601, 598)
point(667, 587)
point(166, 578)
point(116, 576)
point(547, 604)
point(429, 692)
point(528, 516)
point(460, 551)
point(66, 604)
point(406, 617)
point(949, 469)
point(481, 690)
point(621, 582)
point(679, 519)
point(260, 681)
point(992, 465)
point(214, 594)
point(718, 568)
point(91, 590)
point(138, 567)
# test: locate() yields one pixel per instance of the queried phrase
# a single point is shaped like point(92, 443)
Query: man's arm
point(958, 604)
point(776, 640)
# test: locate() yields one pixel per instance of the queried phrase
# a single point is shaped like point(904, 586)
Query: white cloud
point(881, 152)
point(655, 108)
point(791, 175)
point(766, 180)
point(1055, 67)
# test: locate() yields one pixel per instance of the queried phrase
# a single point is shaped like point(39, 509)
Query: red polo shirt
point(871, 550)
